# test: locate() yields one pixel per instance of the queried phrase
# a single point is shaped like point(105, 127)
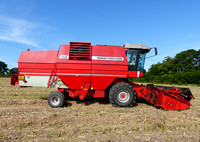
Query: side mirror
point(156, 52)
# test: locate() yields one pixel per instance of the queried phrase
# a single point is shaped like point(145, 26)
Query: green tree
point(167, 66)
point(187, 60)
point(153, 70)
point(182, 69)
point(3, 68)
point(12, 71)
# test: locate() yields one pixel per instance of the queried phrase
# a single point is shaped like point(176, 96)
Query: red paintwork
point(14, 80)
point(134, 74)
point(81, 92)
point(37, 57)
point(79, 71)
point(167, 99)
point(86, 76)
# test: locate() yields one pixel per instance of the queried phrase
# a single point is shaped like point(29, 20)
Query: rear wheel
point(56, 99)
point(122, 94)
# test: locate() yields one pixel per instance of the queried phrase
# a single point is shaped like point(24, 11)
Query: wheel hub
point(123, 96)
point(55, 100)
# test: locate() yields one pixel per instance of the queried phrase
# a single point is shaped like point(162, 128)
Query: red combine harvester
point(80, 69)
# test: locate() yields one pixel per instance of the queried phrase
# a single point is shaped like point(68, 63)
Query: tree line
point(184, 68)
point(5, 72)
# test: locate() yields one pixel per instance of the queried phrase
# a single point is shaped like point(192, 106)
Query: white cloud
point(22, 40)
point(16, 30)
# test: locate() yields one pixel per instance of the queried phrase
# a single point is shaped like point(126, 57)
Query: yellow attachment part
point(21, 77)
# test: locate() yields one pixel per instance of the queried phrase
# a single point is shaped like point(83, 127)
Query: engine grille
point(80, 51)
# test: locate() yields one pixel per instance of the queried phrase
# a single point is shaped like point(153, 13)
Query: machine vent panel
point(80, 51)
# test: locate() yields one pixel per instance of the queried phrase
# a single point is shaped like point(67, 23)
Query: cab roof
point(137, 46)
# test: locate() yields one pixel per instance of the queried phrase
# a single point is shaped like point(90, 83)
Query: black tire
point(122, 94)
point(56, 99)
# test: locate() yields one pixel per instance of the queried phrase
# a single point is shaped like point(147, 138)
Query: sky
point(170, 25)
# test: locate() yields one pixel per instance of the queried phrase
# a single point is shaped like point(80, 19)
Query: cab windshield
point(136, 59)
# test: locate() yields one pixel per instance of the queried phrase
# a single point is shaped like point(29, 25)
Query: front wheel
point(122, 94)
point(56, 99)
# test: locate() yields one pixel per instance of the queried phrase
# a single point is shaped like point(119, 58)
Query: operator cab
point(136, 54)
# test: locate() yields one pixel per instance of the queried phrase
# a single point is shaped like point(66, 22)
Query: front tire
point(122, 94)
point(56, 99)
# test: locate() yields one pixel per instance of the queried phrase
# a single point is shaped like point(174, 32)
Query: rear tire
point(122, 94)
point(56, 99)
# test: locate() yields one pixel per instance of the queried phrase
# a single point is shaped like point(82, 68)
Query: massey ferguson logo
point(107, 58)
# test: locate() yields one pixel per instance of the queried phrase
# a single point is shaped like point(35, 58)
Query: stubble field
point(26, 116)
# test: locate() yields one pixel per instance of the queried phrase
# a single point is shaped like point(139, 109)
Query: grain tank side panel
point(73, 72)
point(108, 63)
